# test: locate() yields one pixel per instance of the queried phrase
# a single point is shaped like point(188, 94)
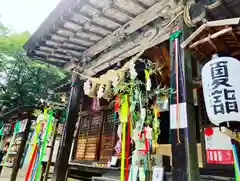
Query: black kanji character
point(219, 70)
point(219, 108)
point(217, 94)
point(229, 94)
point(219, 73)
point(231, 106)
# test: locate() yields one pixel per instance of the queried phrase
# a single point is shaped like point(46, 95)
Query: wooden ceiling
point(100, 32)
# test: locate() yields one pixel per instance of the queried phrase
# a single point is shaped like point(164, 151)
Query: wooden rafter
point(87, 29)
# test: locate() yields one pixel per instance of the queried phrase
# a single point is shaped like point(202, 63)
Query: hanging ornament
point(117, 104)
point(115, 80)
point(95, 104)
point(90, 87)
point(121, 76)
point(113, 77)
point(148, 133)
point(132, 71)
point(143, 115)
point(104, 90)
point(163, 103)
point(124, 120)
point(108, 95)
point(148, 80)
point(142, 175)
point(156, 124)
point(100, 92)
point(87, 87)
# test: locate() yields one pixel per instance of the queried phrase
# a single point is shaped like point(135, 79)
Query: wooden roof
point(100, 32)
point(222, 36)
point(14, 113)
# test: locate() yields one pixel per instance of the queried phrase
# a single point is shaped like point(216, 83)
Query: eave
point(100, 32)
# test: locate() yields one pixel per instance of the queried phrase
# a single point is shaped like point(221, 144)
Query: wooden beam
point(61, 165)
point(126, 48)
point(141, 20)
point(182, 117)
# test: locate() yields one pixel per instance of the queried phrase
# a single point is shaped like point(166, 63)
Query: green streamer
point(1, 131)
point(43, 146)
point(175, 35)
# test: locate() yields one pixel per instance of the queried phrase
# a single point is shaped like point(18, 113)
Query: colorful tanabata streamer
point(123, 119)
point(35, 146)
point(236, 163)
point(35, 166)
point(31, 163)
point(43, 148)
point(128, 147)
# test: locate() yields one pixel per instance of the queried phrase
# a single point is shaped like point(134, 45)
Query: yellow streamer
point(38, 129)
point(123, 119)
point(146, 74)
point(124, 110)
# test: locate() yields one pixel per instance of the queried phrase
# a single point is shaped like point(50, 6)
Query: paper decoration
point(148, 80)
point(158, 174)
point(114, 160)
point(132, 71)
point(87, 87)
point(95, 104)
point(148, 133)
point(90, 87)
point(142, 175)
point(182, 122)
point(133, 173)
point(115, 80)
point(100, 92)
point(107, 91)
point(221, 88)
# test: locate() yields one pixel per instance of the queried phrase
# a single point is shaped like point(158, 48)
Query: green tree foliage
point(23, 81)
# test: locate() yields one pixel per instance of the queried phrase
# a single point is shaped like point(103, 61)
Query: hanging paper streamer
point(41, 118)
point(31, 163)
point(123, 119)
point(142, 175)
point(128, 147)
point(43, 146)
point(1, 131)
point(1, 134)
point(35, 166)
point(116, 107)
point(95, 104)
point(148, 80)
point(236, 163)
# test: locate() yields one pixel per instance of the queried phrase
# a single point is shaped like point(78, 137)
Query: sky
point(25, 15)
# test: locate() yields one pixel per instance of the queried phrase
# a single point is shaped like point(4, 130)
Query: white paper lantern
point(221, 88)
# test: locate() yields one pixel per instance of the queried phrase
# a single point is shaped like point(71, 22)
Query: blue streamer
point(235, 153)
point(35, 166)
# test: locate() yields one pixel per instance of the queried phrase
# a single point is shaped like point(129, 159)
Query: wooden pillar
point(61, 165)
point(17, 163)
point(182, 118)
